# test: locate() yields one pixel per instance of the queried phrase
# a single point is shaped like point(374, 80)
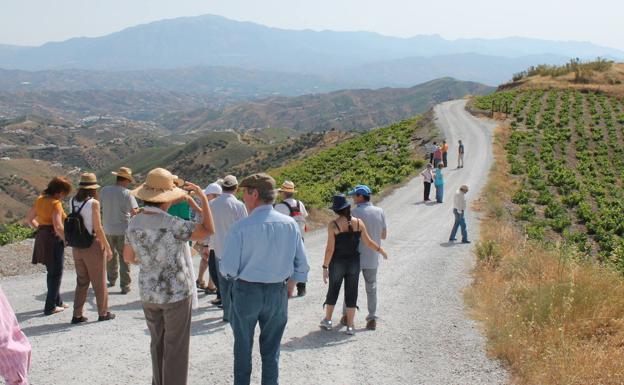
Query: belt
point(261, 283)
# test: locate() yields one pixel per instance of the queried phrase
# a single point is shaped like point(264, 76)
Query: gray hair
point(266, 196)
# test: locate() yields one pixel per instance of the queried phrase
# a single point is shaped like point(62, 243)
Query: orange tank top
point(45, 207)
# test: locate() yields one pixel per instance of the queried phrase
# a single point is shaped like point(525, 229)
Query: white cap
point(213, 188)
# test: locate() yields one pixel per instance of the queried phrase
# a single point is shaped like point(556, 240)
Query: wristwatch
point(325, 267)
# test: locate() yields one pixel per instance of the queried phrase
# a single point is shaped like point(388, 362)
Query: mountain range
point(331, 60)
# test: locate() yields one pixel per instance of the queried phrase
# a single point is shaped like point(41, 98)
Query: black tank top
point(347, 242)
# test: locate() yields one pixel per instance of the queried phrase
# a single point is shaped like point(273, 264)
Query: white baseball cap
point(213, 188)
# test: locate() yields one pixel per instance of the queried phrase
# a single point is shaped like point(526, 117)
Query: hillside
point(602, 76)
point(87, 130)
point(548, 284)
point(342, 110)
point(21, 181)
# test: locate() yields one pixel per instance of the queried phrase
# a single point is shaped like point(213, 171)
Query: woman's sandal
point(57, 309)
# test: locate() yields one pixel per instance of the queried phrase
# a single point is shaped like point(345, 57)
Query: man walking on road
point(262, 252)
point(375, 221)
point(226, 210)
point(118, 206)
point(295, 209)
point(460, 155)
point(459, 210)
point(432, 150)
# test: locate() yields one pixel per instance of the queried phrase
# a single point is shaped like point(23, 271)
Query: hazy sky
point(33, 22)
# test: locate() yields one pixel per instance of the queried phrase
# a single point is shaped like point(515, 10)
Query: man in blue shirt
point(262, 252)
point(375, 221)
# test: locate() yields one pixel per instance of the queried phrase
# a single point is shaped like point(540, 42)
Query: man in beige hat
point(226, 210)
point(118, 205)
point(262, 252)
point(459, 211)
point(296, 209)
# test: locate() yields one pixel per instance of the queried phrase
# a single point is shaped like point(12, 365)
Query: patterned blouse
point(159, 240)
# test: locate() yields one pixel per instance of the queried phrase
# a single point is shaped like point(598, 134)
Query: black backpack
point(76, 233)
point(294, 211)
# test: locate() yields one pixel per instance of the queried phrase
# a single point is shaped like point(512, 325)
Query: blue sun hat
point(339, 202)
point(361, 189)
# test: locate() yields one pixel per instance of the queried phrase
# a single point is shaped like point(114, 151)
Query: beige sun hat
point(88, 181)
point(159, 187)
point(124, 172)
point(288, 187)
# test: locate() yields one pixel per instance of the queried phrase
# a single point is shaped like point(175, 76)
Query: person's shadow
point(316, 339)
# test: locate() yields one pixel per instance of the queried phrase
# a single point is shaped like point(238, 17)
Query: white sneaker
point(350, 330)
point(326, 324)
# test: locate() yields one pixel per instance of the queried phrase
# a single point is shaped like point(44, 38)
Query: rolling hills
point(341, 110)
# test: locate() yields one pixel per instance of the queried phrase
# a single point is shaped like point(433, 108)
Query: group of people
point(253, 250)
point(432, 174)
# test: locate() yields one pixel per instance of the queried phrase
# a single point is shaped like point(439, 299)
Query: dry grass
point(550, 316)
point(610, 82)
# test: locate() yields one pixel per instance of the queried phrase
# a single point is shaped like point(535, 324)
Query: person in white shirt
point(296, 209)
point(226, 210)
point(459, 210)
point(427, 175)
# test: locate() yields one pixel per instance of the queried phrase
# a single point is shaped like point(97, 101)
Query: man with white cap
point(212, 191)
point(118, 206)
point(296, 209)
point(459, 210)
point(226, 210)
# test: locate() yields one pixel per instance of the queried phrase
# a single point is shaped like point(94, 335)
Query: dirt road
point(424, 335)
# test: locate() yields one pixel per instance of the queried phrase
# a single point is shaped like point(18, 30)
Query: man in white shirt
point(226, 210)
point(459, 210)
point(296, 209)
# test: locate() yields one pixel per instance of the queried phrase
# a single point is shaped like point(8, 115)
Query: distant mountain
point(492, 70)
point(341, 110)
point(216, 41)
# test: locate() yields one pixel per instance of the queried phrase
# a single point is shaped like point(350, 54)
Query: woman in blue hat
point(342, 260)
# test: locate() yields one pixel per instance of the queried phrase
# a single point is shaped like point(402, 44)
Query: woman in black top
point(342, 260)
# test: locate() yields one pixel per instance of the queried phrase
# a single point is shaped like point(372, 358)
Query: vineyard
point(379, 158)
point(567, 148)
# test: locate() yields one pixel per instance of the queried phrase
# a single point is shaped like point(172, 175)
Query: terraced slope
point(567, 147)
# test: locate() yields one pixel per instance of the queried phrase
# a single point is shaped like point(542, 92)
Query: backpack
point(76, 233)
point(295, 212)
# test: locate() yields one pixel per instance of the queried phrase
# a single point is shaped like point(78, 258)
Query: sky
point(34, 22)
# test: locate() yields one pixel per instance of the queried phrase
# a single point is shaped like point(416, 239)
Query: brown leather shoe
point(343, 320)
point(371, 324)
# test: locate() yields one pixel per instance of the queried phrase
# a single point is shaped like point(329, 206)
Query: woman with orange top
point(47, 217)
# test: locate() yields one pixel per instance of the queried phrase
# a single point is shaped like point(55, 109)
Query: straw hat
point(158, 187)
point(88, 181)
point(288, 187)
point(124, 172)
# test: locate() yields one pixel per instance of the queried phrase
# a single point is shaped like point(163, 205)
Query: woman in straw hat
point(90, 262)
point(47, 217)
point(158, 242)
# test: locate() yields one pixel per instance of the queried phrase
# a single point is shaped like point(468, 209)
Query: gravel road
point(424, 335)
